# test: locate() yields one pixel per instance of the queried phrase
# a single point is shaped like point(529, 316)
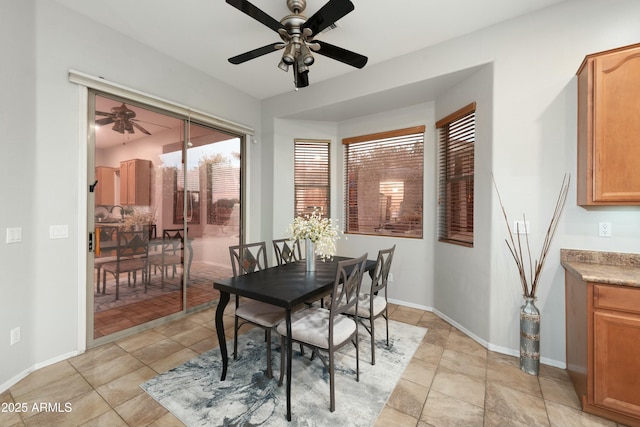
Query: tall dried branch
point(530, 283)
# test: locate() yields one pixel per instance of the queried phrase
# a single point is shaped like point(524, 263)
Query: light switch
point(58, 231)
point(14, 234)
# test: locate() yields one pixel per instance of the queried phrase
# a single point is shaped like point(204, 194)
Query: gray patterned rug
point(194, 393)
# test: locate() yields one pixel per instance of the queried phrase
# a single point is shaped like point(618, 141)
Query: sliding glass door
point(165, 209)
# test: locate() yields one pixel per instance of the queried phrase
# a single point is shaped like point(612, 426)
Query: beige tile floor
point(451, 381)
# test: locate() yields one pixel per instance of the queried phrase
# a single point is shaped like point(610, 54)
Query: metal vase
point(529, 337)
point(310, 255)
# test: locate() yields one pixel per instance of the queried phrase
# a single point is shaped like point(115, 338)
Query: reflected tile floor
point(451, 380)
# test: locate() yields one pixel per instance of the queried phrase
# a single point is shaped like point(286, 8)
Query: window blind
point(456, 176)
point(384, 183)
point(312, 177)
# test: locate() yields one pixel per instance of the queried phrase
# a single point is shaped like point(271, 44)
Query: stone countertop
point(611, 268)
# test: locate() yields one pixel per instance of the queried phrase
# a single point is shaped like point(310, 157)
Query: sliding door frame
point(88, 87)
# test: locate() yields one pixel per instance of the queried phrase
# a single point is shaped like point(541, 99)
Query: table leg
point(224, 299)
point(289, 357)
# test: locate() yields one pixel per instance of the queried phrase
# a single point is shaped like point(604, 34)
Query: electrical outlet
point(604, 229)
point(15, 335)
point(520, 227)
point(390, 277)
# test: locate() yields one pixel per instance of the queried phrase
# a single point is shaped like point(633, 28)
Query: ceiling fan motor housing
point(296, 5)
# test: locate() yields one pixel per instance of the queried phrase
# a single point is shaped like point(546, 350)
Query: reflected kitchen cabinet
point(608, 128)
point(105, 191)
point(135, 182)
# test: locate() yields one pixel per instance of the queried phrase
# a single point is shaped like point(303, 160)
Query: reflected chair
point(287, 251)
point(131, 256)
point(247, 259)
point(327, 330)
point(372, 305)
point(171, 254)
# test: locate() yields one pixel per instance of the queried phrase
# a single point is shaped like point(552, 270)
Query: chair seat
point(379, 304)
point(312, 326)
point(261, 313)
point(165, 259)
point(132, 264)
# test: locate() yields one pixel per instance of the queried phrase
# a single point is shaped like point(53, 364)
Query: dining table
point(288, 286)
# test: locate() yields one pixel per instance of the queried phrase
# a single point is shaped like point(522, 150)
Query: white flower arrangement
point(138, 218)
point(321, 231)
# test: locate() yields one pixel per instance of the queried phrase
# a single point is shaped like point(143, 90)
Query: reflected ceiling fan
point(297, 34)
point(123, 119)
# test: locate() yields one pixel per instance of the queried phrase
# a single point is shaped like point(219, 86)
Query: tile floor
point(451, 380)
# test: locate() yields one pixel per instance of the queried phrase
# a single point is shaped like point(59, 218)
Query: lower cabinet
point(603, 348)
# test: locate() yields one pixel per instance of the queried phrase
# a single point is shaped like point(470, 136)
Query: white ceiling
point(204, 33)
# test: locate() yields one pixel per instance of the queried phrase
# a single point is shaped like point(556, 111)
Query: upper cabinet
point(135, 182)
point(609, 128)
point(105, 190)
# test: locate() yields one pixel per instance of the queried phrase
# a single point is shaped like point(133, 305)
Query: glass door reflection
point(177, 181)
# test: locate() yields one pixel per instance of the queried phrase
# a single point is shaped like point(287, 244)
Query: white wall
point(462, 277)
point(529, 144)
point(17, 109)
point(43, 282)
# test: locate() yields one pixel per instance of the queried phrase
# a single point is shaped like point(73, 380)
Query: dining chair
point(131, 256)
point(171, 253)
point(372, 304)
point(246, 259)
point(287, 251)
point(327, 330)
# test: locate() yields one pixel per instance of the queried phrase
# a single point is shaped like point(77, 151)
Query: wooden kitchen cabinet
point(135, 182)
point(603, 347)
point(105, 191)
point(609, 128)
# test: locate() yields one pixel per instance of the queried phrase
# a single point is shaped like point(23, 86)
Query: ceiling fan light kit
point(297, 34)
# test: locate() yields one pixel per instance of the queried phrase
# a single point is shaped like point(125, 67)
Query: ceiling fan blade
point(342, 55)
point(255, 53)
point(104, 121)
point(140, 128)
point(332, 11)
point(103, 113)
point(245, 7)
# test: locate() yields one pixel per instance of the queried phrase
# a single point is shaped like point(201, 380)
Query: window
point(457, 135)
point(311, 177)
point(383, 183)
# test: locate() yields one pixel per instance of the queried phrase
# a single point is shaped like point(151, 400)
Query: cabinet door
point(124, 183)
point(140, 182)
point(616, 127)
point(105, 190)
point(616, 362)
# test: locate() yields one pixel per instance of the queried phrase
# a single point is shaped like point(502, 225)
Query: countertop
point(611, 268)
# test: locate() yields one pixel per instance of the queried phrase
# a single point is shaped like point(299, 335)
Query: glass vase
point(310, 256)
point(529, 337)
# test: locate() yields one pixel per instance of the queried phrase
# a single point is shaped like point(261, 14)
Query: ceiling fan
point(123, 119)
point(297, 34)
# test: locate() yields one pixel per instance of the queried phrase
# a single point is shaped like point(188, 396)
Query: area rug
point(194, 393)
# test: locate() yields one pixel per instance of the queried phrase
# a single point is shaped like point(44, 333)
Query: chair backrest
point(346, 287)
point(381, 271)
point(173, 233)
point(248, 258)
point(132, 244)
point(287, 251)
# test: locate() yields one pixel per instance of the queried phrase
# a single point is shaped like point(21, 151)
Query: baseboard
point(482, 342)
point(20, 376)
